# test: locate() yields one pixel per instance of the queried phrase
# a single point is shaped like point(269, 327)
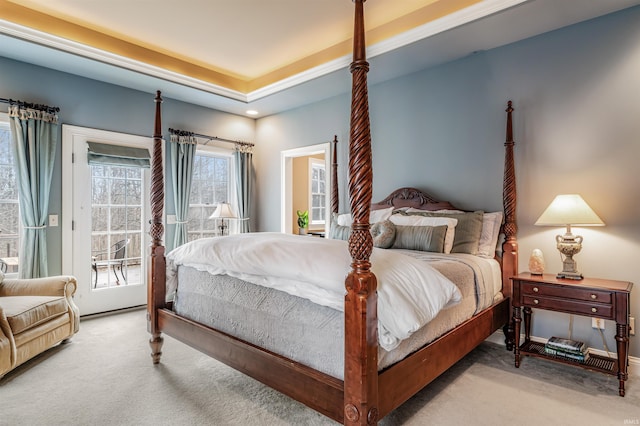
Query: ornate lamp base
point(568, 245)
point(223, 228)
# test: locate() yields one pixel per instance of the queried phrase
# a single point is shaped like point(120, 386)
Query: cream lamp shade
point(567, 210)
point(223, 211)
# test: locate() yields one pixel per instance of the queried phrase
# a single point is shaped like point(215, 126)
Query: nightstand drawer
point(536, 289)
point(569, 306)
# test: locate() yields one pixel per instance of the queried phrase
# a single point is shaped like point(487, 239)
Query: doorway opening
point(305, 186)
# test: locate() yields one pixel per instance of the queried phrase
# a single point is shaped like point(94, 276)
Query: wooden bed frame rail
point(365, 395)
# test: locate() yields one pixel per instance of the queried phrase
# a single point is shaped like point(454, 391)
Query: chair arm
point(59, 285)
point(7, 346)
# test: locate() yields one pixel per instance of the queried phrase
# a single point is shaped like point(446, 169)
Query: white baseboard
point(634, 363)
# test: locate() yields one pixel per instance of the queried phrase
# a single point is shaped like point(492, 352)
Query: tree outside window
point(116, 214)
point(9, 207)
point(210, 186)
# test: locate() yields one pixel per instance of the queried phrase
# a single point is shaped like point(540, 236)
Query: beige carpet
point(105, 377)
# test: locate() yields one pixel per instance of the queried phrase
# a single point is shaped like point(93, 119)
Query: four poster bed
point(368, 371)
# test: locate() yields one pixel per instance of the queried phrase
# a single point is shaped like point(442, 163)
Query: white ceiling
point(249, 38)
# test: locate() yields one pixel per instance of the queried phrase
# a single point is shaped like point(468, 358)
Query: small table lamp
point(223, 211)
point(567, 210)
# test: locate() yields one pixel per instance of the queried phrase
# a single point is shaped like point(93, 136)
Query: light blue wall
point(576, 93)
point(312, 125)
point(89, 103)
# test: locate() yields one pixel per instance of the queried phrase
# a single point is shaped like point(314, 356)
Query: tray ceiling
point(258, 52)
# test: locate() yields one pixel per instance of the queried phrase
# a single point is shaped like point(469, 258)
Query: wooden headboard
point(412, 197)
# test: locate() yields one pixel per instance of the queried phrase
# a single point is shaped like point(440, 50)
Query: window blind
point(117, 155)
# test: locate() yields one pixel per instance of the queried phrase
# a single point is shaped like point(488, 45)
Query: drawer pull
point(535, 289)
point(594, 310)
point(594, 297)
point(535, 302)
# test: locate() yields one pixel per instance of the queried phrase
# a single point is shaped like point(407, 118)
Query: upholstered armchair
point(35, 314)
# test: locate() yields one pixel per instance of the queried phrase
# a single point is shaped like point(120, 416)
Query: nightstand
point(590, 297)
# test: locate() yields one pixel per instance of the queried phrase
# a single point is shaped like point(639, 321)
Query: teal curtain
point(183, 151)
point(244, 175)
point(35, 136)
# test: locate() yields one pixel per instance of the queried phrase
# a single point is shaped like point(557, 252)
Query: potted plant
point(303, 221)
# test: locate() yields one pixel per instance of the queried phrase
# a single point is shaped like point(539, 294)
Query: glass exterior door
point(109, 227)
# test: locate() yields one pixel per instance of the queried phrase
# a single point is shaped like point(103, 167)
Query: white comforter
point(410, 292)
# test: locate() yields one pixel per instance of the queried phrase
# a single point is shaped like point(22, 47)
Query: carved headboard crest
point(412, 197)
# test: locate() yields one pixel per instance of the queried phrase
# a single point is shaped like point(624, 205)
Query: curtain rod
point(40, 107)
point(210, 138)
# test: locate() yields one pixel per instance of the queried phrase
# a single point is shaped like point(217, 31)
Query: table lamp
point(567, 210)
point(222, 212)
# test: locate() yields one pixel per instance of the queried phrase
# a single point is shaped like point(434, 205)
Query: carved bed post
point(510, 227)
point(361, 300)
point(335, 201)
point(157, 263)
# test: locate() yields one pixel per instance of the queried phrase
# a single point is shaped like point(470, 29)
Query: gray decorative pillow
point(468, 229)
point(339, 232)
point(383, 233)
point(423, 238)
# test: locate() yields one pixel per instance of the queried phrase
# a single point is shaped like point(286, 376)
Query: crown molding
point(48, 40)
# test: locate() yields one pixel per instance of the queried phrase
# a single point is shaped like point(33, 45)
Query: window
point(211, 185)
point(317, 180)
point(116, 217)
point(9, 208)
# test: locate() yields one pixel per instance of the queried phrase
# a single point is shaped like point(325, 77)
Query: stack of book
point(567, 349)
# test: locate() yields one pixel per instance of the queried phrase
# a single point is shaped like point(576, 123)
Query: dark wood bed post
point(510, 227)
point(157, 263)
point(335, 200)
point(361, 300)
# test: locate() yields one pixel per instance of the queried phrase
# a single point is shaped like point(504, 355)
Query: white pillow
point(374, 216)
point(403, 220)
point(491, 223)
